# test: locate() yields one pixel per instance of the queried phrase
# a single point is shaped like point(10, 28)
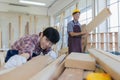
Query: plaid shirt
point(29, 44)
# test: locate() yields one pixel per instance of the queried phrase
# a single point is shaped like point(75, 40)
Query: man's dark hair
point(52, 34)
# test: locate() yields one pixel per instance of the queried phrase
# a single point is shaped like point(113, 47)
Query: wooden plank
point(113, 56)
point(102, 16)
point(2, 58)
point(27, 28)
point(72, 74)
point(35, 23)
point(84, 38)
point(80, 60)
point(20, 25)
point(48, 72)
point(58, 71)
point(110, 65)
point(27, 70)
point(63, 51)
point(0, 39)
point(3, 71)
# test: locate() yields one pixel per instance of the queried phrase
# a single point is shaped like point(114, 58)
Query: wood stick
point(47, 72)
point(27, 70)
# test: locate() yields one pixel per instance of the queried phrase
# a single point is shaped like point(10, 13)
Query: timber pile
point(109, 62)
point(75, 66)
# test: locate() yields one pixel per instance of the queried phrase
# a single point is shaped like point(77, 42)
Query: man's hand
point(52, 54)
point(15, 61)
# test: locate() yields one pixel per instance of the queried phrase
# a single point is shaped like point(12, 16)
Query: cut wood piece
point(2, 58)
point(71, 74)
point(47, 73)
point(84, 38)
point(27, 70)
point(115, 57)
point(58, 71)
point(0, 38)
point(63, 51)
point(110, 65)
point(80, 60)
point(102, 16)
point(3, 71)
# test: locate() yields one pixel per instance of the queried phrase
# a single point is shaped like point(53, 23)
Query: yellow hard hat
point(98, 76)
point(76, 11)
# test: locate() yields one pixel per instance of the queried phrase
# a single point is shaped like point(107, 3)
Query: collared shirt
point(71, 24)
point(29, 44)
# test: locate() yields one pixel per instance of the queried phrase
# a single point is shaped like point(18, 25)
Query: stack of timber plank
point(109, 62)
point(76, 64)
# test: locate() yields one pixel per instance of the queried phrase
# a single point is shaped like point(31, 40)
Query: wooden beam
point(110, 65)
point(71, 74)
point(113, 56)
point(102, 16)
point(35, 23)
point(48, 72)
point(80, 60)
point(0, 39)
point(20, 26)
point(27, 70)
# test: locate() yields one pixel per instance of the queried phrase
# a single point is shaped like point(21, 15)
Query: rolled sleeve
point(70, 27)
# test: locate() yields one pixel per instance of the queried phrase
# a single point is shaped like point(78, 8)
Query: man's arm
point(77, 33)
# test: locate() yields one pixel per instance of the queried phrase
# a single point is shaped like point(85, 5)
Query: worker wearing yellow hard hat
point(75, 33)
point(76, 11)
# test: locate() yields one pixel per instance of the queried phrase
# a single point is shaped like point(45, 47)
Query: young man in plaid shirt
point(32, 45)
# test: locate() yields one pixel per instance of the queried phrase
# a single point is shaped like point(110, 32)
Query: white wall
point(13, 18)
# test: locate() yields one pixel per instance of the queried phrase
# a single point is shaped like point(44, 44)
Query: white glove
point(52, 54)
point(15, 61)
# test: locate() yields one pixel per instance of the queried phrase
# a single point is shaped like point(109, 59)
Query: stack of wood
point(77, 64)
point(109, 62)
point(39, 68)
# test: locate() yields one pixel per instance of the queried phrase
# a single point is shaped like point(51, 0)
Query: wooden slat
point(3, 71)
point(0, 39)
point(72, 74)
point(84, 38)
point(80, 60)
point(48, 72)
point(115, 57)
point(58, 71)
point(110, 65)
point(63, 51)
point(2, 58)
point(27, 70)
point(102, 16)
point(20, 26)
